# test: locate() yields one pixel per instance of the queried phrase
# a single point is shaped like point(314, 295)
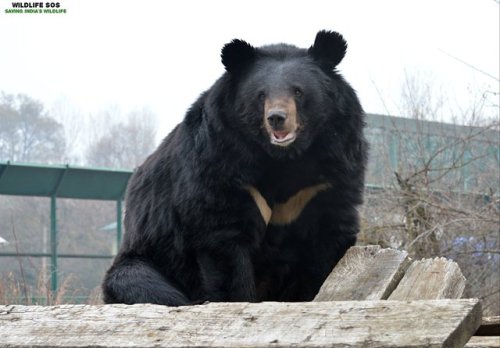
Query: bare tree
point(28, 133)
point(440, 188)
point(125, 145)
point(75, 127)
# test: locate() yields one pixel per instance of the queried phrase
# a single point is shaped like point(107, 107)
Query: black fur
point(194, 233)
point(329, 48)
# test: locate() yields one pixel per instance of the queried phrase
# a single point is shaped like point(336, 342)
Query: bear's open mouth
point(283, 138)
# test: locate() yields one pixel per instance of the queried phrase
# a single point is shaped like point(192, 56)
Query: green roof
point(63, 181)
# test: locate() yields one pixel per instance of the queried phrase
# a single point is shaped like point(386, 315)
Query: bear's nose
point(276, 119)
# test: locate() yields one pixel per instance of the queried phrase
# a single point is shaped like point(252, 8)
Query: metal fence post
point(118, 223)
point(53, 244)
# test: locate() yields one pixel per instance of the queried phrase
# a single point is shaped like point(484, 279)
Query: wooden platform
point(373, 298)
point(444, 323)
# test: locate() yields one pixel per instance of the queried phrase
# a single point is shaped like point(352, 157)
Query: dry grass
point(15, 291)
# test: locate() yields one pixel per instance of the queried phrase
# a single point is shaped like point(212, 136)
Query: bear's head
point(282, 96)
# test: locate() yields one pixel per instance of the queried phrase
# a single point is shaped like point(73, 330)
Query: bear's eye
point(298, 92)
point(262, 96)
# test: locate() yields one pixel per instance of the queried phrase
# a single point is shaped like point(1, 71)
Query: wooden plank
point(443, 323)
point(365, 273)
point(490, 326)
point(483, 342)
point(429, 279)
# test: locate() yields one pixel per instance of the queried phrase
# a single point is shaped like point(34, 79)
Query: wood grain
point(443, 323)
point(365, 273)
point(430, 279)
point(483, 342)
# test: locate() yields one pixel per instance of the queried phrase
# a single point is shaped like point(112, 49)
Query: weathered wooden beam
point(483, 342)
point(365, 273)
point(490, 326)
point(430, 279)
point(443, 323)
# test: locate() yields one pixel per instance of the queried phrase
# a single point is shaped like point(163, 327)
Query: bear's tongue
point(280, 134)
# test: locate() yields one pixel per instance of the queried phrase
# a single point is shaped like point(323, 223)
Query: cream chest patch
point(286, 212)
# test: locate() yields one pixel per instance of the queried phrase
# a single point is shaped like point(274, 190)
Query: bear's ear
point(237, 54)
point(329, 48)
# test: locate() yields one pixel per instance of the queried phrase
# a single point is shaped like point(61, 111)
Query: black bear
point(253, 196)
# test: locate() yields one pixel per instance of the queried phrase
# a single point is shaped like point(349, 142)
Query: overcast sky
point(163, 54)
